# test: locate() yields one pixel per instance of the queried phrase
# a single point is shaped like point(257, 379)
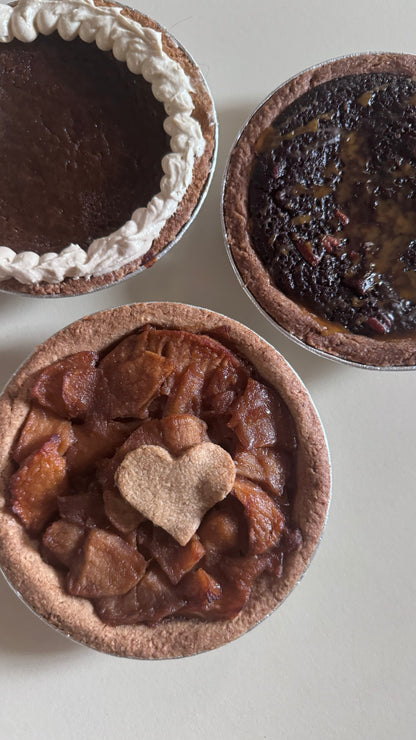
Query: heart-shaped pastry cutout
point(176, 493)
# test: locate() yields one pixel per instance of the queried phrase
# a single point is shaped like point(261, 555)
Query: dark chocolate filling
point(332, 201)
point(81, 144)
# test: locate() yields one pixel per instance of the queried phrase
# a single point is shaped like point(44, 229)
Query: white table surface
point(337, 660)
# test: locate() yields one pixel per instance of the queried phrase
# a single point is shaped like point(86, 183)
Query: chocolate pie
point(319, 208)
point(164, 480)
point(107, 144)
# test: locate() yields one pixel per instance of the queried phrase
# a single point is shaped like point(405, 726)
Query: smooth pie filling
point(92, 153)
point(174, 390)
point(106, 173)
point(331, 202)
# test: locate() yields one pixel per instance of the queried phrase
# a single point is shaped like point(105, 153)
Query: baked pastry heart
point(187, 487)
point(204, 378)
point(104, 175)
point(318, 209)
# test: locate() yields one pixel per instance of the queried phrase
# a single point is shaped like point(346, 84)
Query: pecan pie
point(107, 144)
point(318, 208)
point(164, 480)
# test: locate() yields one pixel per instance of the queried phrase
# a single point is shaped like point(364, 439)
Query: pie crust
point(38, 583)
point(300, 324)
point(203, 118)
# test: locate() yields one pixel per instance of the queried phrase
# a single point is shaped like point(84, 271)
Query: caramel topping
point(343, 167)
point(384, 225)
point(303, 219)
point(270, 138)
point(366, 98)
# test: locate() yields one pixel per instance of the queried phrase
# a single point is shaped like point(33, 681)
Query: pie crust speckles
point(42, 586)
point(327, 248)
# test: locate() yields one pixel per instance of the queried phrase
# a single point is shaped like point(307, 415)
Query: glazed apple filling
point(174, 390)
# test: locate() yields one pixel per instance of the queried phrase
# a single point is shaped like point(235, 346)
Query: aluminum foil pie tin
point(311, 332)
point(38, 584)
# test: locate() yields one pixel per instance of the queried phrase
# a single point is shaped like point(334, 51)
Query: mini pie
point(107, 144)
point(318, 208)
point(108, 398)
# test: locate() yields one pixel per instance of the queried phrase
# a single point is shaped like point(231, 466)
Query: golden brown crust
point(290, 316)
point(204, 113)
point(39, 584)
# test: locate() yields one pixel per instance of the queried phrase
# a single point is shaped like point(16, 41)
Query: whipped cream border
point(141, 49)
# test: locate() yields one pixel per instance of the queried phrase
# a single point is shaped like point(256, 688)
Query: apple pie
point(164, 480)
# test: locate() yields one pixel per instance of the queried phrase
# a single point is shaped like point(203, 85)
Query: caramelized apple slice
point(95, 439)
point(230, 602)
point(105, 566)
point(253, 419)
point(175, 560)
point(182, 350)
point(133, 384)
point(176, 433)
point(117, 610)
point(215, 373)
point(78, 391)
point(223, 530)
point(83, 509)
point(150, 601)
point(186, 396)
point(200, 590)
point(204, 387)
point(128, 349)
point(226, 382)
point(60, 542)
point(144, 538)
point(221, 595)
point(156, 597)
point(39, 426)
point(264, 518)
point(120, 513)
point(265, 466)
point(35, 487)
point(185, 349)
point(239, 575)
point(131, 538)
point(179, 433)
point(78, 372)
